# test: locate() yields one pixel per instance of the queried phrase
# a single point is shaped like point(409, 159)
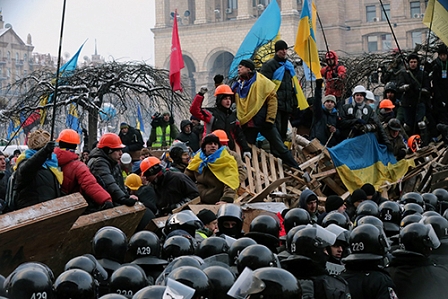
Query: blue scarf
point(244, 86)
point(209, 159)
point(280, 72)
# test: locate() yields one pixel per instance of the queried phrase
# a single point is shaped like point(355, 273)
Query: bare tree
point(126, 85)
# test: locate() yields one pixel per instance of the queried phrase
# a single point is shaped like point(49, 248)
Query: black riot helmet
point(370, 220)
point(128, 280)
point(264, 229)
point(412, 197)
point(334, 217)
point(254, 257)
point(89, 265)
point(290, 236)
point(439, 224)
point(418, 237)
point(144, 249)
point(113, 296)
point(194, 278)
point(431, 202)
point(30, 280)
point(311, 242)
point(295, 217)
point(278, 283)
point(413, 218)
point(442, 196)
point(238, 246)
point(367, 207)
point(176, 246)
point(109, 247)
point(150, 292)
point(176, 151)
point(76, 283)
point(390, 86)
point(367, 242)
point(222, 280)
point(390, 214)
point(212, 246)
point(184, 220)
point(230, 212)
point(411, 208)
point(185, 260)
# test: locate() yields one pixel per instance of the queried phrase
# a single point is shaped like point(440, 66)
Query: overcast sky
point(120, 27)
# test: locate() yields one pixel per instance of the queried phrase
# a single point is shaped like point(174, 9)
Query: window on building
point(387, 10)
point(386, 42)
point(232, 4)
point(415, 9)
point(8, 56)
point(370, 13)
point(25, 57)
point(416, 37)
point(263, 2)
point(372, 43)
point(17, 57)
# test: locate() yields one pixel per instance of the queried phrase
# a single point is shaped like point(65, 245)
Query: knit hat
point(333, 203)
point(248, 63)
point(66, 145)
point(206, 216)
point(368, 189)
point(124, 125)
point(329, 97)
point(280, 45)
point(358, 195)
point(194, 118)
point(38, 139)
point(208, 139)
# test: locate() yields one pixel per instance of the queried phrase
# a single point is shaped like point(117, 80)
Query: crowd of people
point(363, 247)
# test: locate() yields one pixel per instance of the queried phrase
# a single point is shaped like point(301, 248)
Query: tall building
point(211, 31)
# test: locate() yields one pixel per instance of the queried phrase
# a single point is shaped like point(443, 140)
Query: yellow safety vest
point(161, 138)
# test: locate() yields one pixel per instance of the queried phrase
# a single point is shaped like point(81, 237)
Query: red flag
point(176, 60)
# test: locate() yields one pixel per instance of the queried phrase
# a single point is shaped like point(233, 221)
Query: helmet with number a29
point(367, 242)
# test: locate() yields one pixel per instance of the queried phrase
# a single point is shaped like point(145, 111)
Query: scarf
point(251, 95)
point(359, 107)
point(51, 164)
point(221, 164)
point(278, 78)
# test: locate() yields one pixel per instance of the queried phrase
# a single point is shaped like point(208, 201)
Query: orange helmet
point(150, 166)
point(222, 135)
point(69, 136)
point(110, 140)
point(414, 142)
point(386, 103)
point(223, 89)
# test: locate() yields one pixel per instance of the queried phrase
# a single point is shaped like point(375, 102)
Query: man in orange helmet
point(77, 176)
point(104, 165)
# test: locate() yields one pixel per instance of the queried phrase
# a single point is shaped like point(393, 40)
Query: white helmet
point(359, 89)
point(369, 95)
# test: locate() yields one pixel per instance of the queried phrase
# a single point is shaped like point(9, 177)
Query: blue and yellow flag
point(306, 46)
point(14, 125)
point(363, 160)
point(264, 30)
point(139, 123)
point(277, 78)
point(437, 14)
point(72, 119)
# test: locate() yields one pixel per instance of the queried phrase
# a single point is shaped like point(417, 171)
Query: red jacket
point(334, 77)
point(78, 178)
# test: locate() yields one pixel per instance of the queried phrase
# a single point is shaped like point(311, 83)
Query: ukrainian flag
point(277, 78)
point(362, 160)
point(139, 123)
point(264, 31)
point(437, 14)
point(306, 46)
point(72, 119)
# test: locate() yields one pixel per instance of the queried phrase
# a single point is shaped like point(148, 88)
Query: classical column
point(161, 14)
point(289, 7)
point(244, 9)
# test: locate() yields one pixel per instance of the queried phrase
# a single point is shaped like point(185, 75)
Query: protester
point(308, 201)
point(163, 131)
point(210, 222)
point(132, 138)
point(334, 74)
point(187, 136)
point(5, 173)
point(180, 156)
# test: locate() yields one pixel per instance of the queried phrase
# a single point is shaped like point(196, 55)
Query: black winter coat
point(287, 100)
point(190, 139)
point(132, 139)
point(34, 183)
point(108, 174)
point(416, 79)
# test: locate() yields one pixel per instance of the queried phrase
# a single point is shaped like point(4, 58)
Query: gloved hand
point(369, 128)
point(218, 79)
point(319, 83)
point(128, 201)
point(360, 127)
point(247, 154)
point(404, 87)
point(267, 125)
point(107, 205)
point(49, 147)
point(203, 90)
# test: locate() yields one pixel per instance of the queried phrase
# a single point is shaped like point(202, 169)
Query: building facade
point(211, 31)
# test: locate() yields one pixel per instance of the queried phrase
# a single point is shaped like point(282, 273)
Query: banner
point(176, 59)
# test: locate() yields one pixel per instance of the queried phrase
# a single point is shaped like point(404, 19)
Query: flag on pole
point(264, 30)
point(140, 125)
point(14, 125)
point(176, 59)
point(306, 46)
point(72, 119)
point(437, 14)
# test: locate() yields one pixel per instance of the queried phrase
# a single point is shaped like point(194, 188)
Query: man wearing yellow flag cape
point(215, 172)
point(256, 109)
point(289, 93)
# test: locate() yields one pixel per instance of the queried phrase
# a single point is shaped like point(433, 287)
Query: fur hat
point(248, 63)
point(208, 139)
point(38, 139)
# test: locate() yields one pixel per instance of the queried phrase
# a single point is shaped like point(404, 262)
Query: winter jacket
point(417, 80)
point(78, 178)
point(219, 118)
point(304, 197)
point(33, 182)
point(286, 96)
point(108, 174)
point(398, 145)
point(173, 188)
point(190, 139)
point(168, 133)
point(440, 84)
point(322, 119)
point(334, 77)
point(132, 139)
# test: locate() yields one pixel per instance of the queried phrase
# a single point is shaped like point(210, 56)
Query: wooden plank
point(259, 197)
point(311, 162)
point(264, 166)
point(335, 187)
point(324, 173)
point(272, 166)
point(78, 239)
point(257, 177)
point(250, 177)
point(36, 233)
point(194, 201)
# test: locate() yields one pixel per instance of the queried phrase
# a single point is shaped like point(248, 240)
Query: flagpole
point(16, 132)
point(323, 32)
point(311, 66)
point(55, 94)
